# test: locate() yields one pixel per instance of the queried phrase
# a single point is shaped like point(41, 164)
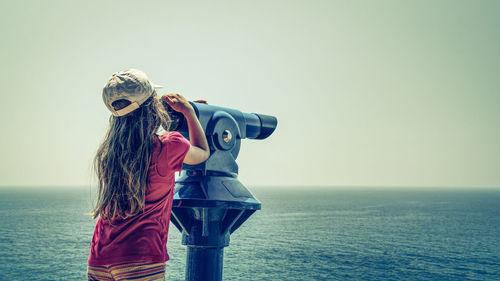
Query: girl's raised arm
point(199, 150)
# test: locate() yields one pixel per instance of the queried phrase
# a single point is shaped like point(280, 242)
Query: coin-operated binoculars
point(210, 203)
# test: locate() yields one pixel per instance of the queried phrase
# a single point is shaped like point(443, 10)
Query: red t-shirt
point(143, 237)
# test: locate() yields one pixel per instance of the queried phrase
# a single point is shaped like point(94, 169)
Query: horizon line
point(260, 186)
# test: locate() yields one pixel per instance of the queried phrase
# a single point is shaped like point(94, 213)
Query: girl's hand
point(201, 101)
point(178, 103)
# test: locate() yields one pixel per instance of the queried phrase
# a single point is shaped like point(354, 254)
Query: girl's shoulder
point(172, 137)
point(175, 147)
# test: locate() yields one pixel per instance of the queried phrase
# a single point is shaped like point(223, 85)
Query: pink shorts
point(133, 270)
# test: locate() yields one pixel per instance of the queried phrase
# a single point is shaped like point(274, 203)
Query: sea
point(301, 233)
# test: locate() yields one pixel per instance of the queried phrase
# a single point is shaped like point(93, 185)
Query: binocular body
point(224, 129)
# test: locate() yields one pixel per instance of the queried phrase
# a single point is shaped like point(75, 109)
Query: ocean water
point(300, 234)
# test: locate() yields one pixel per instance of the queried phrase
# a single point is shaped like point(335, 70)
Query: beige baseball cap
point(132, 85)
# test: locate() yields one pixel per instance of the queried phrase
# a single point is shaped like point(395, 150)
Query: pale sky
point(367, 93)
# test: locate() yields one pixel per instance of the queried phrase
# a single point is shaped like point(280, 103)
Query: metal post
point(204, 264)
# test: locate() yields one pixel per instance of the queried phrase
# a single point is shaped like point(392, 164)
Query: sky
point(366, 93)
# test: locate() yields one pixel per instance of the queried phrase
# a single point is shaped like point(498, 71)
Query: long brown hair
point(122, 160)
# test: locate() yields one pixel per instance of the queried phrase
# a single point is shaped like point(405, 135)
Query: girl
point(135, 169)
